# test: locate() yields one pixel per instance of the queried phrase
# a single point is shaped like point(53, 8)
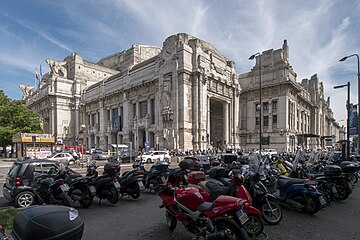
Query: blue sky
point(319, 33)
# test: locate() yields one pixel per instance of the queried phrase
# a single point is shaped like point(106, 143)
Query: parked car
point(100, 156)
point(62, 157)
point(267, 151)
point(124, 157)
point(153, 156)
point(17, 188)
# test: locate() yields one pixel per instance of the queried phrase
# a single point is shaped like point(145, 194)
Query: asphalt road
point(142, 219)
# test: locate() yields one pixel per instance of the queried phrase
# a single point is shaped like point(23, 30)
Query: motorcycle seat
point(216, 189)
point(205, 206)
point(316, 175)
point(285, 182)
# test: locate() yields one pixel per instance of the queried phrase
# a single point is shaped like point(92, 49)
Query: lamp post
point(358, 75)
point(347, 120)
point(260, 98)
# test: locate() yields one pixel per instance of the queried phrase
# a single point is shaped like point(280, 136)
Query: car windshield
point(147, 153)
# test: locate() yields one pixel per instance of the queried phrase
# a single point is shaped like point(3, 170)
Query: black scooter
point(106, 185)
point(156, 176)
point(131, 183)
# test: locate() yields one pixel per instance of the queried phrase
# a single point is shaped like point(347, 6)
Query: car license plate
point(322, 200)
point(163, 179)
point(64, 187)
point(92, 190)
point(141, 185)
point(117, 184)
point(334, 189)
point(243, 217)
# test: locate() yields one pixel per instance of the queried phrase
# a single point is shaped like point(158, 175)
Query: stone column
point(226, 122)
point(195, 111)
point(208, 119)
point(136, 124)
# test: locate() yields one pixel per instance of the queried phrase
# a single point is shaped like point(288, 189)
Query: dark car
point(124, 157)
point(100, 156)
point(17, 188)
point(200, 163)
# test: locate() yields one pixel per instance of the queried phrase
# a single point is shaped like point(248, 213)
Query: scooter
point(106, 185)
point(300, 194)
point(156, 176)
point(131, 183)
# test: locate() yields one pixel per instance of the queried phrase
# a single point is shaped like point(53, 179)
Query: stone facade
point(57, 97)
point(185, 95)
point(294, 114)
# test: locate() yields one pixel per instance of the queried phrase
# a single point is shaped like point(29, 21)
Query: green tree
point(15, 117)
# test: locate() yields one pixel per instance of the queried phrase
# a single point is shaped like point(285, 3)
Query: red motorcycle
point(211, 190)
point(222, 219)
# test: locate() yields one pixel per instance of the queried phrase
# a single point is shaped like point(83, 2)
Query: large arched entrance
point(218, 115)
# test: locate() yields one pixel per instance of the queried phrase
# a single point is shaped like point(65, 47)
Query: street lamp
point(358, 74)
point(347, 120)
point(260, 93)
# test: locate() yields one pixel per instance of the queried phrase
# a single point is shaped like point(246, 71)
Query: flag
point(36, 74)
point(40, 71)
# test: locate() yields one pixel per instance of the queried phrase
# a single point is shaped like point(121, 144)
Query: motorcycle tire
point(353, 178)
point(113, 197)
point(65, 200)
point(254, 227)
point(230, 230)
point(134, 191)
point(271, 212)
point(87, 198)
point(312, 205)
point(171, 221)
point(343, 191)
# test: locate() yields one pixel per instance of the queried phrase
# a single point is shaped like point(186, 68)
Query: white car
point(65, 158)
point(153, 156)
point(268, 151)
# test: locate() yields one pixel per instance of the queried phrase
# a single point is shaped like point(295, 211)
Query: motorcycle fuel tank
point(189, 197)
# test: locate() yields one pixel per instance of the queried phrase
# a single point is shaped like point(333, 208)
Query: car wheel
point(24, 199)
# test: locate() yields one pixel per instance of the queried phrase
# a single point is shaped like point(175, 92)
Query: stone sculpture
point(26, 90)
point(57, 68)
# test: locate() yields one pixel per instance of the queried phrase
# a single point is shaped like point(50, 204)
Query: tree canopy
point(15, 117)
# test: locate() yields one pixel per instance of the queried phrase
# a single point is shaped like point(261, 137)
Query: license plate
point(163, 179)
point(186, 177)
point(141, 185)
point(117, 184)
point(92, 190)
point(334, 189)
point(322, 200)
point(242, 216)
point(64, 187)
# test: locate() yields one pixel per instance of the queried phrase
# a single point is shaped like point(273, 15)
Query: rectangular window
point(89, 120)
point(257, 121)
point(134, 110)
point(143, 109)
point(152, 111)
point(257, 107)
point(274, 104)
point(265, 106)
point(266, 121)
point(98, 121)
point(266, 140)
point(274, 119)
point(108, 118)
point(121, 118)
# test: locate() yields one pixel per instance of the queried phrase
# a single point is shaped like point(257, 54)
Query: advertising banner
point(353, 120)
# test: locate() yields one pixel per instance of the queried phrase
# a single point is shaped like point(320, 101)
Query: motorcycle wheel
point(353, 178)
point(343, 191)
point(229, 231)
point(134, 191)
point(113, 197)
point(312, 205)
point(271, 211)
point(254, 227)
point(65, 200)
point(171, 221)
point(86, 199)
